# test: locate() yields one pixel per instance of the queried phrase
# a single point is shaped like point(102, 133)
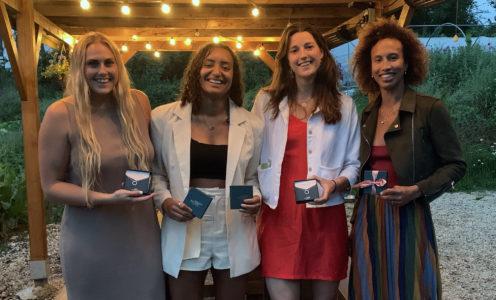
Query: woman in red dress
point(311, 131)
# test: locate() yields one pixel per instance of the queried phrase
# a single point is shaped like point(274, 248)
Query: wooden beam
point(204, 23)
point(268, 59)
point(224, 2)
point(43, 22)
point(30, 126)
point(406, 15)
point(148, 34)
point(11, 47)
point(195, 45)
point(38, 38)
point(126, 56)
point(59, 9)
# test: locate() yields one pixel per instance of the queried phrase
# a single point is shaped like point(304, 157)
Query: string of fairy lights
point(167, 9)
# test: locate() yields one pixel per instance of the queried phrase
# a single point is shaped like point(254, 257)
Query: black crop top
point(208, 161)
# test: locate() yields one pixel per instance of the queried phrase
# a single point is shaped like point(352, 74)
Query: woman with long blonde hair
point(110, 242)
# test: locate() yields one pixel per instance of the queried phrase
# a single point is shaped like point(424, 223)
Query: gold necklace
point(387, 117)
point(209, 126)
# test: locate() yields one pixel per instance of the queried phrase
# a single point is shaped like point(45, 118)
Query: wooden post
point(406, 15)
point(268, 60)
point(38, 263)
point(127, 55)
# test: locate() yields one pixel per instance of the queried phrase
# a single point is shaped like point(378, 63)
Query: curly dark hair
point(414, 53)
point(191, 87)
point(283, 82)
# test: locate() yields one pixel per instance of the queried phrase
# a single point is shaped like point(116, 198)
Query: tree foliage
point(444, 12)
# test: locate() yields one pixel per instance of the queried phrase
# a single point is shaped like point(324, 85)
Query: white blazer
point(171, 137)
point(332, 149)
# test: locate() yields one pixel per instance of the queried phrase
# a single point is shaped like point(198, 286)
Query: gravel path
point(465, 229)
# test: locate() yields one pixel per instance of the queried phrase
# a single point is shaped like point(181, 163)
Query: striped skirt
point(394, 252)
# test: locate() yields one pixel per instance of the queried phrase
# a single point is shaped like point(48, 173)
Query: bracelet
point(335, 185)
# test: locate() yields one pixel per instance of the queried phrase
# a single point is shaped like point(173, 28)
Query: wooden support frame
point(268, 59)
point(11, 47)
point(406, 15)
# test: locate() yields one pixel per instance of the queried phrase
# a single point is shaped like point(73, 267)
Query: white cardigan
point(171, 137)
point(332, 149)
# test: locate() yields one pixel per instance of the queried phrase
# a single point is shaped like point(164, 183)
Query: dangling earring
point(372, 75)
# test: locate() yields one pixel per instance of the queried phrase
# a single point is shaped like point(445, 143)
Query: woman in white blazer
point(311, 131)
point(208, 141)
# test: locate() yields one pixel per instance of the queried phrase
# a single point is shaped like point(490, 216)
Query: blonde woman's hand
point(328, 187)
point(251, 205)
point(401, 195)
point(177, 210)
point(125, 196)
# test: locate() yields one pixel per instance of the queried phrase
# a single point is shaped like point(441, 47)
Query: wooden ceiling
point(338, 20)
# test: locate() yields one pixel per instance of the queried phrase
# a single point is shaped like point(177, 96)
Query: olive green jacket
point(421, 141)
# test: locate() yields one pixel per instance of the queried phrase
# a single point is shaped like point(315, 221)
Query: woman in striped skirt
point(410, 136)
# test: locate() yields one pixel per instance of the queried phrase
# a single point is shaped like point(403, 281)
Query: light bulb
point(187, 41)
point(124, 48)
point(239, 45)
point(157, 54)
point(84, 4)
point(172, 41)
point(148, 46)
point(216, 39)
point(166, 8)
point(196, 2)
point(256, 52)
point(255, 12)
point(125, 10)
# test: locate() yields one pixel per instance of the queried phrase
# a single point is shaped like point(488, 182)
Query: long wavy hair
point(89, 148)
point(414, 53)
point(283, 83)
point(191, 86)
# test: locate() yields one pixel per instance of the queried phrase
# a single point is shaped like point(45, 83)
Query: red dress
point(298, 242)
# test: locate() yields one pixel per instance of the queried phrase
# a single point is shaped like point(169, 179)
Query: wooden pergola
point(60, 22)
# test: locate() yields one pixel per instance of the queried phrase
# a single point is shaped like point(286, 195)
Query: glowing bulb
point(172, 41)
point(255, 12)
point(240, 38)
point(84, 4)
point(124, 48)
point(125, 10)
point(455, 38)
point(77, 41)
point(166, 8)
point(134, 37)
point(216, 39)
point(256, 52)
point(239, 45)
point(148, 46)
point(187, 42)
point(196, 2)
point(157, 54)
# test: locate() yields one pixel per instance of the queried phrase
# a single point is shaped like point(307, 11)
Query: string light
point(134, 37)
point(148, 46)
point(255, 12)
point(240, 38)
point(239, 45)
point(172, 41)
point(157, 54)
point(125, 10)
point(124, 48)
point(187, 41)
point(196, 2)
point(166, 8)
point(216, 39)
point(84, 4)
point(256, 52)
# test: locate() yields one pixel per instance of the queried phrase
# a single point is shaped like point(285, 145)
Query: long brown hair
point(283, 82)
point(191, 91)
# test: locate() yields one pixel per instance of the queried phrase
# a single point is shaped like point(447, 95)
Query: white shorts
point(214, 248)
